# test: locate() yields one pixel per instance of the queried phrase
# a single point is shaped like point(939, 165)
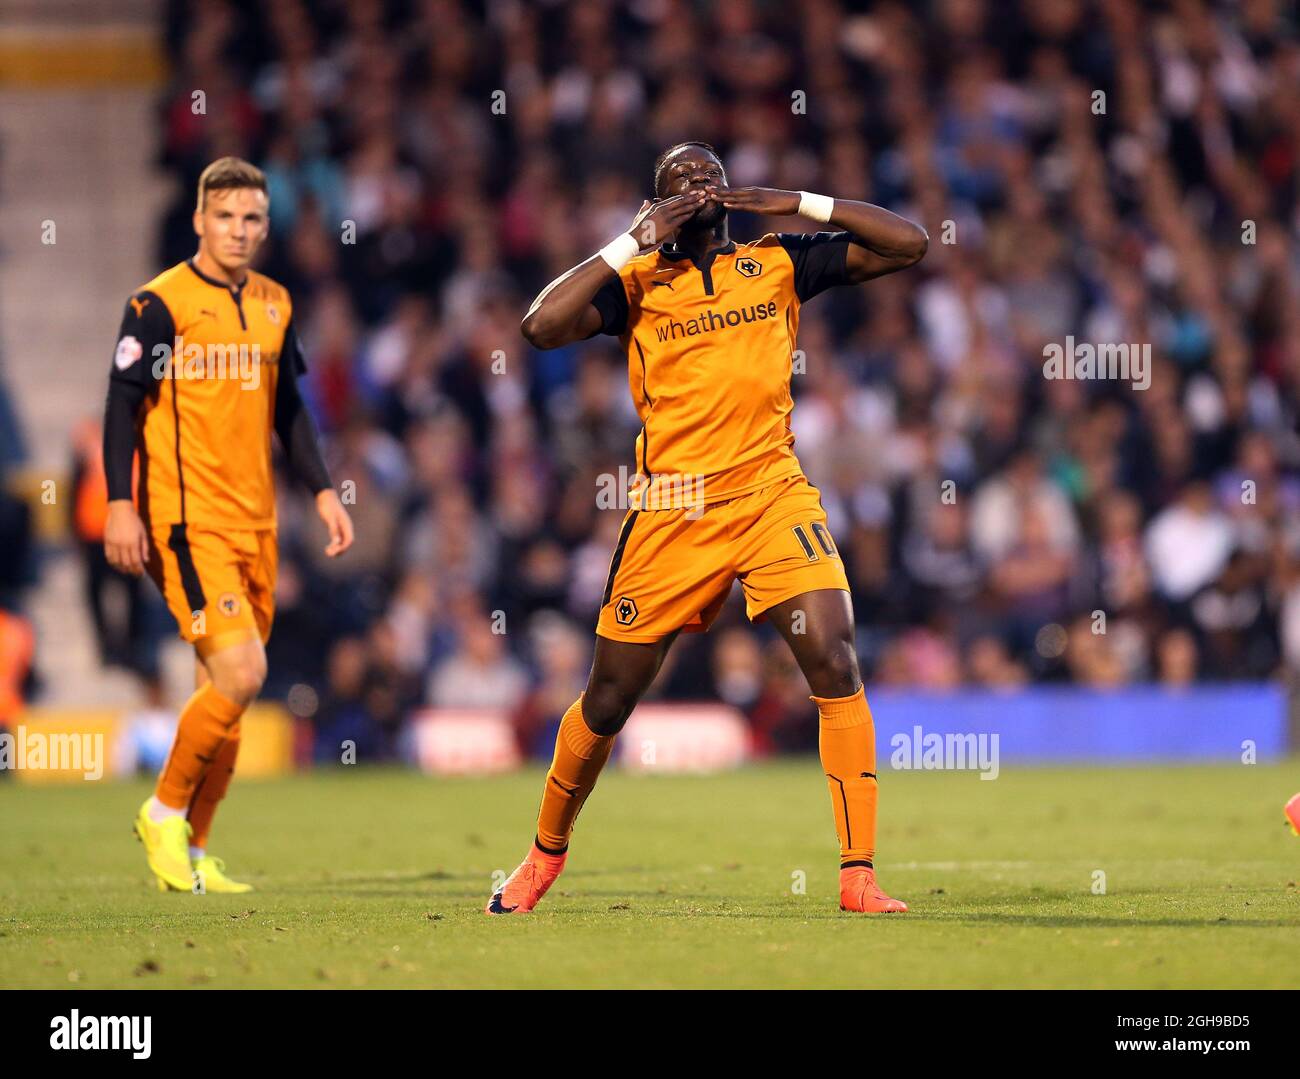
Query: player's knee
point(606, 705)
point(242, 682)
point(244, 687)
point(836, 672)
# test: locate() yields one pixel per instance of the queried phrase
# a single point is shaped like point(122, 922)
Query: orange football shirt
point(210, 355)
point(710, 350)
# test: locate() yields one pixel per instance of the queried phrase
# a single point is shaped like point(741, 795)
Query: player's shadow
point(385, 884)
point(470, 885)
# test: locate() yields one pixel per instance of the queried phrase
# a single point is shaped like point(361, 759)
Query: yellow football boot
point(167, 846)
point(210, 876)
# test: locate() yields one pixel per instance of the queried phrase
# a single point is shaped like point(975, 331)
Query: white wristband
point(620, 251)
point(818, 207)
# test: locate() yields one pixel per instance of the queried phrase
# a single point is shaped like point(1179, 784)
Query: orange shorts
point(673, 569)
point(218, 584)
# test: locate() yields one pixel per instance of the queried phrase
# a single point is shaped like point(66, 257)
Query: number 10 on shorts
point(823, 537)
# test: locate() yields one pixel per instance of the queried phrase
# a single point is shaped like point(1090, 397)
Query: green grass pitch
point(377, 878)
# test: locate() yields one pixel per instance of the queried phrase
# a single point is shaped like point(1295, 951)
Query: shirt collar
point(213, 281)
point(670, 251)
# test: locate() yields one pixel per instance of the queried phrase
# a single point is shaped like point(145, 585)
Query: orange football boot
point(1292, 811)
point(526, 885)
point(860, 892)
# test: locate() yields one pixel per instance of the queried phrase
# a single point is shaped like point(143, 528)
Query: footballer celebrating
point(206, 365)
point(709, 329)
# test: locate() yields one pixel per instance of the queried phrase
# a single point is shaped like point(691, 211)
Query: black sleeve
point(147, 336)
point(611, 301)
point(820, 261)
point(293, 423)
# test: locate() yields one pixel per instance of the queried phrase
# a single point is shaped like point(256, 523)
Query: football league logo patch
point(228, 604)
point(129, 350)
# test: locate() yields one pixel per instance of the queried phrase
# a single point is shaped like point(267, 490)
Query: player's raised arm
point(880, 242)
point(566, 311)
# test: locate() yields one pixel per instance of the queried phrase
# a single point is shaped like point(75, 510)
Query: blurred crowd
point(1111, 170)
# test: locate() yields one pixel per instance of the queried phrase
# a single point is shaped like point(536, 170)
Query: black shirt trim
point(820, 260)
point(611, 301)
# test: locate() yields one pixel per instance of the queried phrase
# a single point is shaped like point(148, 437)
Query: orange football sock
point(579, 757)
point(212, 788)
point(206, 722)
point(847, 743)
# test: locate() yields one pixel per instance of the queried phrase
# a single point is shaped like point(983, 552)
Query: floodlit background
point(1115, 172)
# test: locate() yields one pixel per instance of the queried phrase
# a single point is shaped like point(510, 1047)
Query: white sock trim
point(620, 251)
point(818, 207)
point(158, 812)
point(196, 853)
